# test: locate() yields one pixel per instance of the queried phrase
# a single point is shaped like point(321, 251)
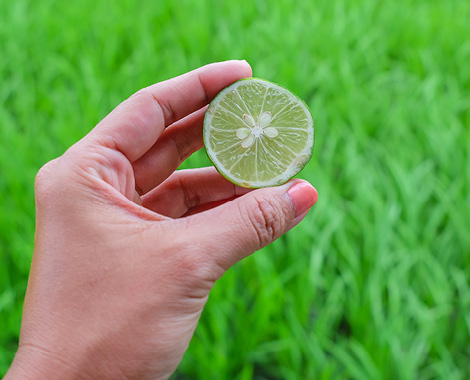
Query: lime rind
point(284, 154)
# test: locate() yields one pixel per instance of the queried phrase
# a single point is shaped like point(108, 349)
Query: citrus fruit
point(258, 133)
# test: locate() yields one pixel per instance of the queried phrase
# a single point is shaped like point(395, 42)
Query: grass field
point(375, 283)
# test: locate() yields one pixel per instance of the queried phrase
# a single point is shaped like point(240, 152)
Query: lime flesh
point(258, 133)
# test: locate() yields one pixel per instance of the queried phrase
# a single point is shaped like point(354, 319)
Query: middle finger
point(177, 143)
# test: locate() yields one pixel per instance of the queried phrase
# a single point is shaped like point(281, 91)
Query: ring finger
point(190, 191)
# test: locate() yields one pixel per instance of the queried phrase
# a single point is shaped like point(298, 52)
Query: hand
point(120, 276)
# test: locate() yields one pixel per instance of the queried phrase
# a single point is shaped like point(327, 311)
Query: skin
point(127, 250)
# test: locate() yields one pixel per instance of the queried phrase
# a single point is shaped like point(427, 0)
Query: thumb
point(237, 228)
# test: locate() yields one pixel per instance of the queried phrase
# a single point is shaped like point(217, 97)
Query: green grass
point(374, 284)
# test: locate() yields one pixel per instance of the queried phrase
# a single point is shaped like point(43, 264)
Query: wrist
point(34, 363)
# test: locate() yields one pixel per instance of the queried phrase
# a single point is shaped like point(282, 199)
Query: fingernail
point(303, 196)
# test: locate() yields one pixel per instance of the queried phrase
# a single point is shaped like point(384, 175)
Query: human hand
point(120, 276)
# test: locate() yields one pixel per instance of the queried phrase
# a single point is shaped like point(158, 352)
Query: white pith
point(255, 128)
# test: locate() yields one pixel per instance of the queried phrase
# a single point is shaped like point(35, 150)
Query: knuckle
point(196, 267)
point(50, 183)
point(181, 145)
point(190, 195)
point(165, 107)
point(137, 108)
point(266, 220)
point(143, 95)
point(44, 178)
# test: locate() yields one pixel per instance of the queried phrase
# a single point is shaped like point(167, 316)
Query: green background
point(374, 283)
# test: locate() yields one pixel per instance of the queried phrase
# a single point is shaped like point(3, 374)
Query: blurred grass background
point(374, 284)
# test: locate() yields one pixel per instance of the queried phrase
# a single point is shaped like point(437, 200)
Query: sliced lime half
point(258, 133)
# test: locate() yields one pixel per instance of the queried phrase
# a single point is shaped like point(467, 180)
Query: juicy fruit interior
point(259, 133)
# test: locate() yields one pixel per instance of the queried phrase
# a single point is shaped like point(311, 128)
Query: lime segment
point(258, 133)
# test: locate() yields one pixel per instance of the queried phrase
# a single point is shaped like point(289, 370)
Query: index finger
point(136, 124)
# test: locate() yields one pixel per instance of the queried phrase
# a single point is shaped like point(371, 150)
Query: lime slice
point(258, 133)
